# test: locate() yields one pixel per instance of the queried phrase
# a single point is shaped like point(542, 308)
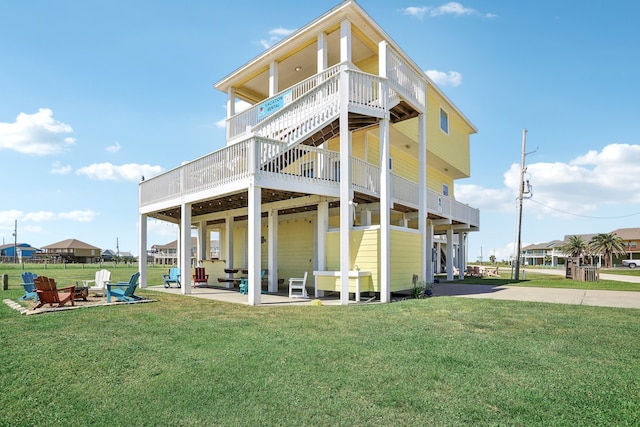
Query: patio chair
point(124, 291)
point(48, 293)
point(172, 277)
point(29, 286)
point(298, 284)
point(200, 276)
point(101, 279)
point(244, 284)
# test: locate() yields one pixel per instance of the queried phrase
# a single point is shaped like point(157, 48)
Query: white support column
point(422, 198)
point(322, 52)
point(438, 257)
point(449, 253)
point(254, 250)
point(346, 191)
point(322, 226)
point(345, 41)
point(365, 217)
point(185, 248)
point(273, 78)
point(272, 242)
point(203, 242)
point(462, 249)
point(385, 207)
point(429, 274)
point(142, 250)
point(231, 108)
point(228, 246)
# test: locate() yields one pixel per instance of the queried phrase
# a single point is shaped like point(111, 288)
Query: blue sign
point(274, 104)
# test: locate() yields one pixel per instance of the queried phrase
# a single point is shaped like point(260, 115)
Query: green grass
point(441, 361)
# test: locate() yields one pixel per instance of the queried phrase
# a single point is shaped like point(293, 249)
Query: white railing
point(301, 162)
point(365, 176)
point(365, 93)
point(239, 123)
point(404, 80)
point(404, 191)
point(450, 208)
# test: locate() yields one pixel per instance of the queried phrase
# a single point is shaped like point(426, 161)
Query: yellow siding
point(406, 258)
point(435, 179)
point(364, 253)
point(454, 147)
point(295, 249)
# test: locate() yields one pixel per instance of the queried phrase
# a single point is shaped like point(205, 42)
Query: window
point(444, 121)
point(390, 163)
point(445, 190)
point(336, 170)
point(307, 169)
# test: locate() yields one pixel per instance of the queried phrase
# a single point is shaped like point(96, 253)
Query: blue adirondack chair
point(28, 282)
point(172, 277)
point(244, 284)
point(124, 291)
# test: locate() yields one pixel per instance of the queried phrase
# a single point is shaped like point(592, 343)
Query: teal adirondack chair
point(172, 277)
point(124, 291)
point(244, 284)
point(28, 282)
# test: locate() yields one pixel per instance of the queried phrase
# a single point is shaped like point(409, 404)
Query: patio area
point(233, 295)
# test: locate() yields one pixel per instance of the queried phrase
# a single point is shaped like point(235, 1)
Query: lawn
point(440, 361)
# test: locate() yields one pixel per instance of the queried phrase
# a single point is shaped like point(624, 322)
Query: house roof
point(628, 233)
point(70, 244)
point(174, 244)
point(250, 80)
point(547, 245)
point(22, 246)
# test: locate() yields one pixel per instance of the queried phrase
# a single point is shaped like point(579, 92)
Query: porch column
point(429, 274)
point(185, 248)
point(272, 242)
point(142, 250)
point(228, 246)
point(385, 206)
point(231, 107)
point(346, 191)
point(462, 249)
point(345, 41)
point(438, 257)
point(273, 78)
point(322, 53)
point(254, 250)
point(425, 232)
point(322, 227)
point(203, 242)
point(449, 253)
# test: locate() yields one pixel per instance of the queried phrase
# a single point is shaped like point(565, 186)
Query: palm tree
point(575, 247)
point(607, 244)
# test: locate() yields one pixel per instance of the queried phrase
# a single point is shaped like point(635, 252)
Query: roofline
point(340, 8)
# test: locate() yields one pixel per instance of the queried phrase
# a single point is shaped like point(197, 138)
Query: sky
point(95, 94)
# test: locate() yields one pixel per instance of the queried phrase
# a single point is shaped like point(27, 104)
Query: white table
point(353, 274)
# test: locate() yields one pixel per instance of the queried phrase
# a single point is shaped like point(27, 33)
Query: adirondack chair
point(124, 291)
point(101, 279)
point(172, 277)
point(200, 276)
point(29, 286)
point(244, 284)
point(48, 292)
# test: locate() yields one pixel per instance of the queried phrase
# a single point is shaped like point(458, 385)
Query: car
point(631, 263)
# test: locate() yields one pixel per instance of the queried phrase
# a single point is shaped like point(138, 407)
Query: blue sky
point(95, 94)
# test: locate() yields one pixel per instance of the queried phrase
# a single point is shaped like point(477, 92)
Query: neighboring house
point(551, 253)
point(168, 254)
point(345, 162)
point(24, 251)
point(71, 251)
point(108, 255)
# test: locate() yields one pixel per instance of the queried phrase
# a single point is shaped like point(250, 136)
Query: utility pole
point(15, 243)
point(520, 196)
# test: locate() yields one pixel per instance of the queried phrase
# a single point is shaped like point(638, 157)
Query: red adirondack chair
point(200, 276)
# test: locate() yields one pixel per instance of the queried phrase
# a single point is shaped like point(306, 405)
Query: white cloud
point(162, 229)
point(37, 133)
point(127, 172)
point(114, 148)
point(578, 187)
point(275, 36)
point(59, 169)
point(451, 8)
point(8, 217)
point(442, 78)
point(415, 11)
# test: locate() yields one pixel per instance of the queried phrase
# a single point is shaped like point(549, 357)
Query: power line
point(583, 216)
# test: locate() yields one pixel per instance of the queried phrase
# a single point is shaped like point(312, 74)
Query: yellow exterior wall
point(435, 179)
point(454, 147)
point(406, 258)
point(295, 249)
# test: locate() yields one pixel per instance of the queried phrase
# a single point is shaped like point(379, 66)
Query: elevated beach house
point(343, 168)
